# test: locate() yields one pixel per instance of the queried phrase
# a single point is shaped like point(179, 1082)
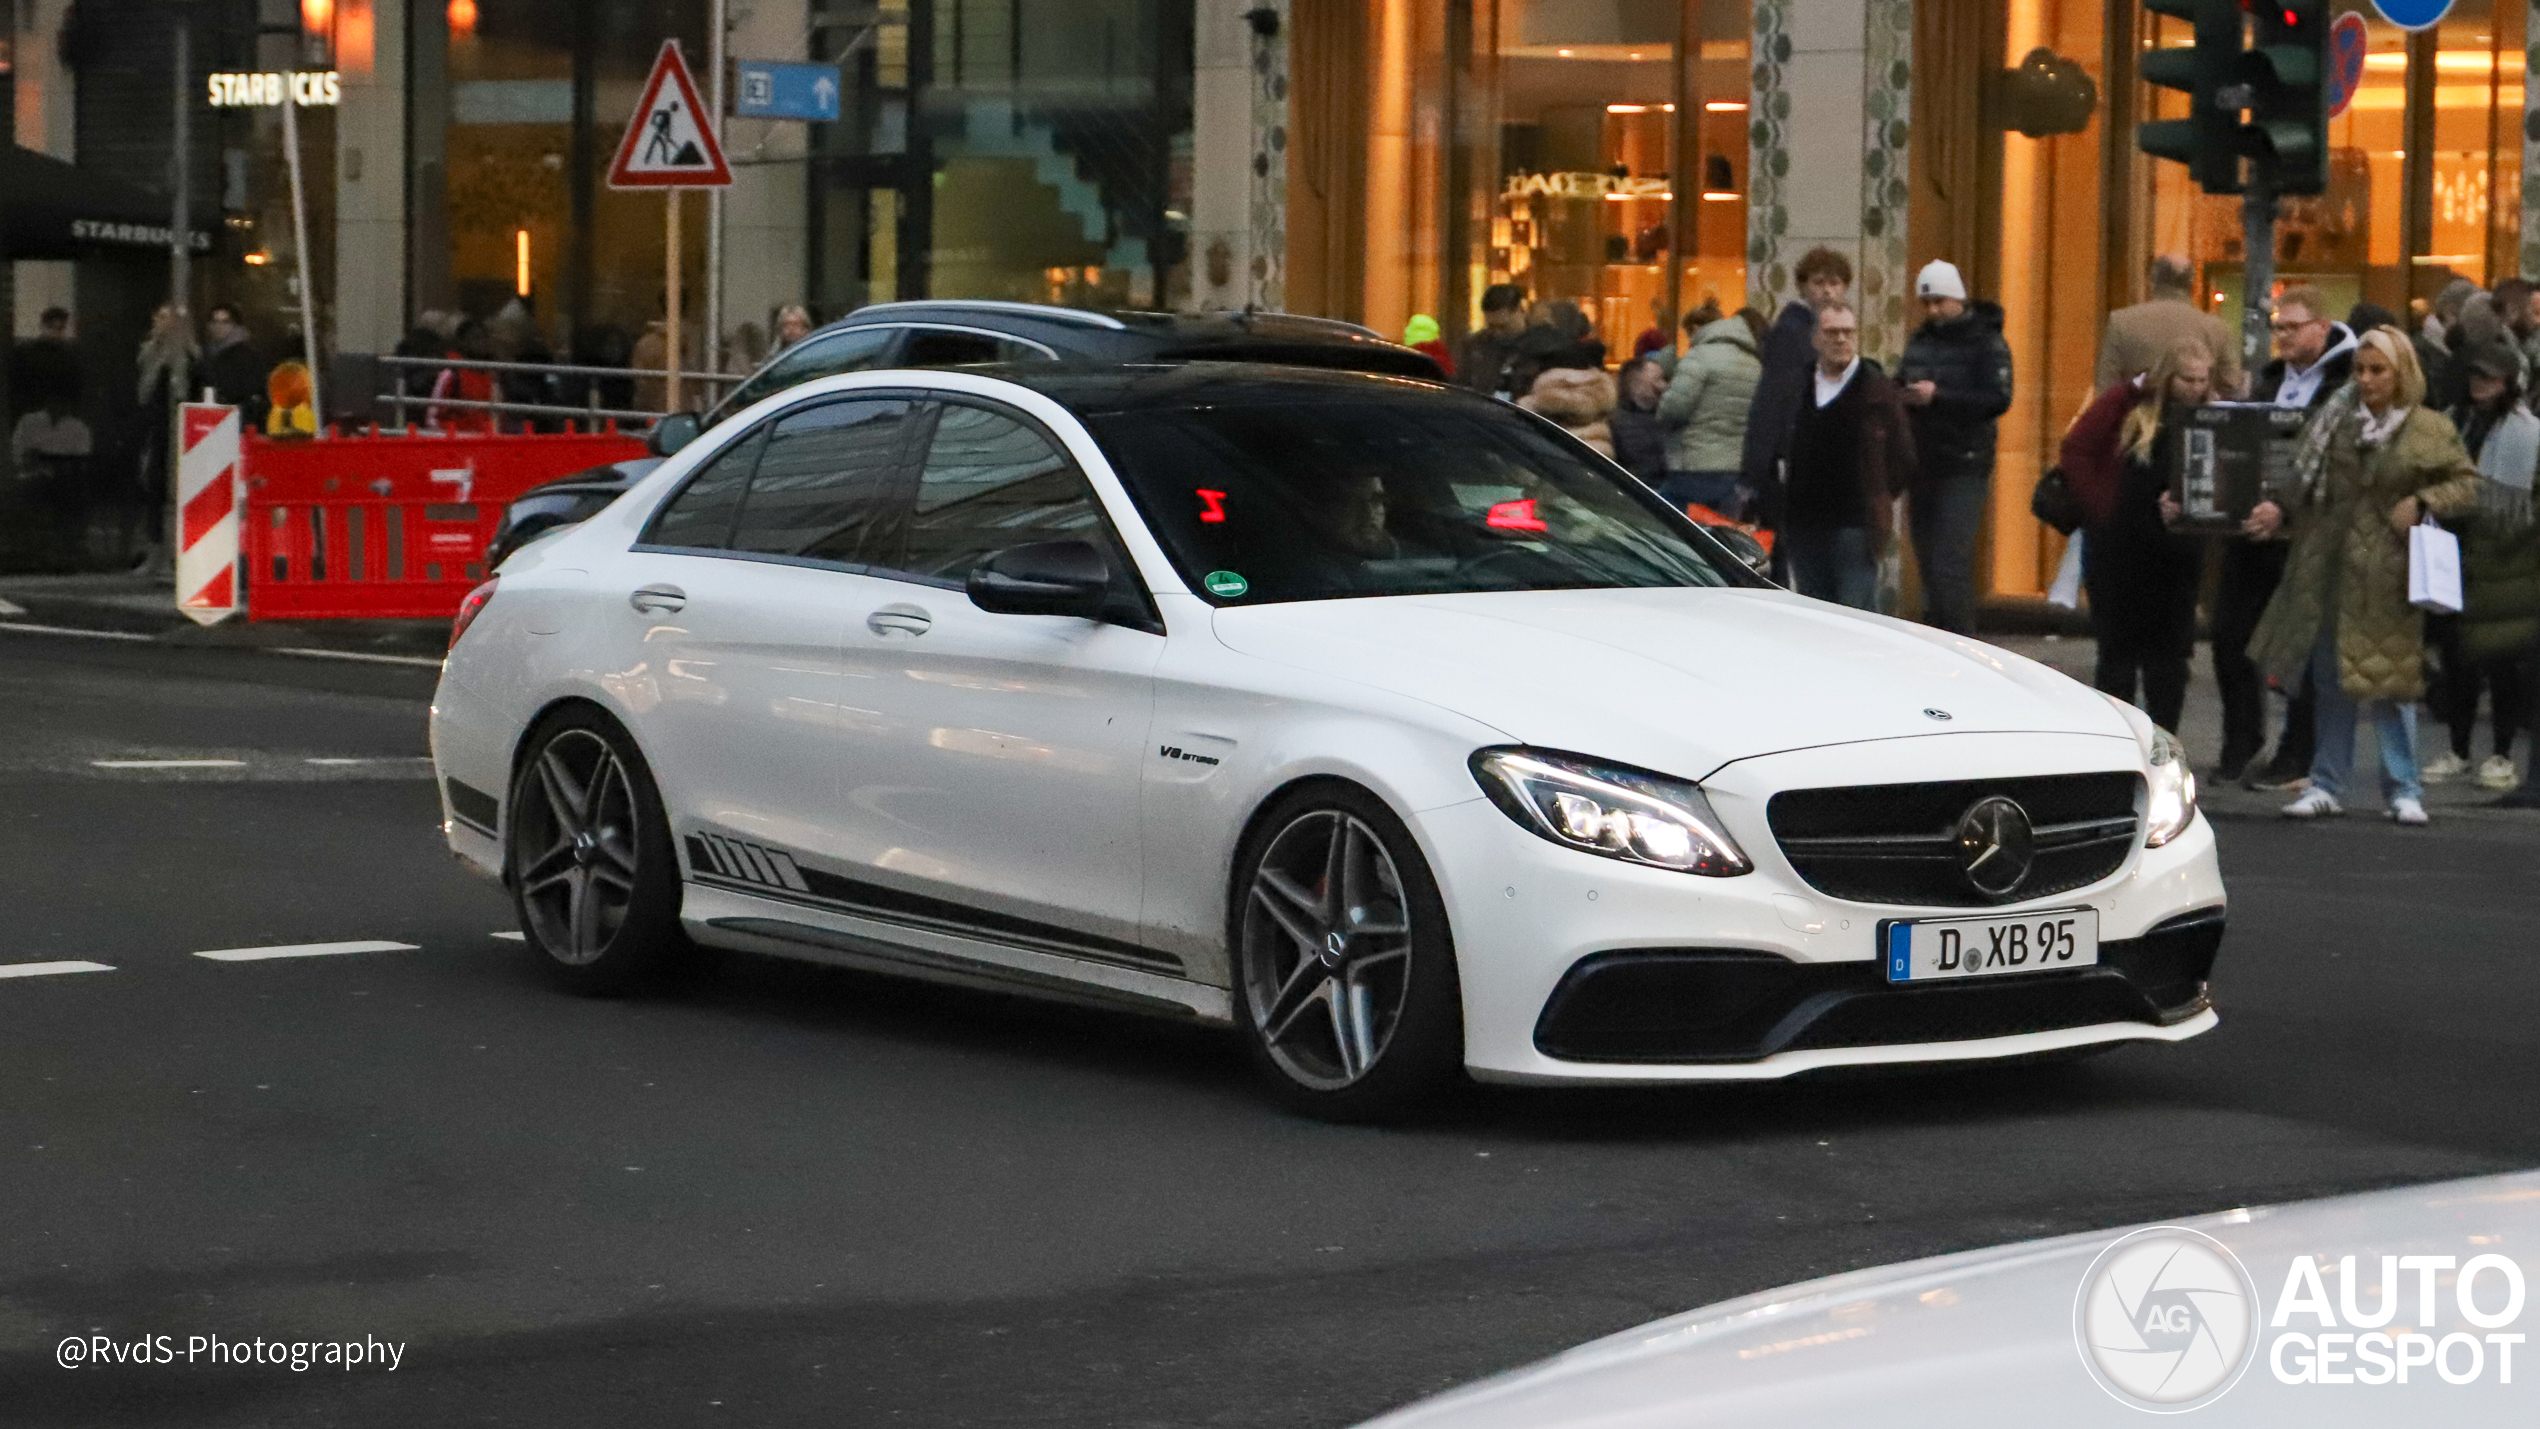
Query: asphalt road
point(800, 1195)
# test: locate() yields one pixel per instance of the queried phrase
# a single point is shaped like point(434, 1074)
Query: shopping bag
point(2434, 568)
point(2066, 591)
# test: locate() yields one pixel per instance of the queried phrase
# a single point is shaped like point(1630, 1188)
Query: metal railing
point(399, 400)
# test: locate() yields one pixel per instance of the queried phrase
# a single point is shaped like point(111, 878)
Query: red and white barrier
point(207, 503)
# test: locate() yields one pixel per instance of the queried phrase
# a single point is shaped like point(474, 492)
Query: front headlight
point(1610, 810)
point(2172, 805)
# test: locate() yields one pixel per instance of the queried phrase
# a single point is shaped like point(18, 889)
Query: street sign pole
point(670, 296)
point(670, 145)
point(300, 240)
point(2257, 281)
point(715, 22)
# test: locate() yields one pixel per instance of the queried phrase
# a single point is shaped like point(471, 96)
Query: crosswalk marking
point(303, 950)
point(48, 969)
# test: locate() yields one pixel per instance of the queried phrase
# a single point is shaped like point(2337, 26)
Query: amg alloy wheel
point(589, 858)
point(1345, 970)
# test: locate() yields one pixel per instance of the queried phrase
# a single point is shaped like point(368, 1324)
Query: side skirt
point(728, 918)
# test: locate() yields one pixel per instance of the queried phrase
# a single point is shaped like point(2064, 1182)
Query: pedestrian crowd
point(1782, 423)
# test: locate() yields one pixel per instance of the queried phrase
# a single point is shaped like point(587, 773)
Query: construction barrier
point(207, 513)
point(381, 527)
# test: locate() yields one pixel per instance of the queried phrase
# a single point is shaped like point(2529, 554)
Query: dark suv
point(954, 333)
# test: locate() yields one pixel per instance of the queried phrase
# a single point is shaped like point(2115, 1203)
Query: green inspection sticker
point(1225, 583)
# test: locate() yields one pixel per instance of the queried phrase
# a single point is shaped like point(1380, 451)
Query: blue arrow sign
point(2412, 14)
point(771, 89)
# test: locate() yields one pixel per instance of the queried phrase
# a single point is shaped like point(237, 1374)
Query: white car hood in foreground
point(1986, 1337)
point(1681, 680)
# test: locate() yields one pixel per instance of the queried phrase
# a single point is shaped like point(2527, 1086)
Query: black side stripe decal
point(719, 858)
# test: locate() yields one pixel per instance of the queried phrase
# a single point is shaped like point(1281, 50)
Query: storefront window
point(538, 96)
point(1590, 130)
point(1035, 152)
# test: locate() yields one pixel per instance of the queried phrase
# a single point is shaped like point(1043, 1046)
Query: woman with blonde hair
point(2374, 461)
point(2141, 576)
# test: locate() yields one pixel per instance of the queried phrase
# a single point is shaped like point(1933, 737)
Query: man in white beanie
point(1956, 380)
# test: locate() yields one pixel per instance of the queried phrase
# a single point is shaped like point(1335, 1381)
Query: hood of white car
point(1988, 1337)
point(1681, 680)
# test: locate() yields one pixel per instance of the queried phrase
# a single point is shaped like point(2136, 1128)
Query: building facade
point(1364, 159)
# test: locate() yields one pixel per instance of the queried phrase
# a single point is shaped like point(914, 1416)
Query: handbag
point(2053, 502)
point(2434, 568)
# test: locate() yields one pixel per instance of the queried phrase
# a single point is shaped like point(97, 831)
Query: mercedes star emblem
point(1996, 846)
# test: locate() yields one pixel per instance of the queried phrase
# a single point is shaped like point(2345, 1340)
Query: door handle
point(893, 620)
point(658, 599)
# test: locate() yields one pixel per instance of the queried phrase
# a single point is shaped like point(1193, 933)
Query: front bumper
point(1539, 928)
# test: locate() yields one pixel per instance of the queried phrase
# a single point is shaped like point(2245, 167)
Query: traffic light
point(2267, 59)
point(2287, 74)
point(2205, 141)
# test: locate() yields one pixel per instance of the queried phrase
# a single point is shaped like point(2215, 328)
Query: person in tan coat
point(1581, 399)
point(2374, 461)
point(2145, 333)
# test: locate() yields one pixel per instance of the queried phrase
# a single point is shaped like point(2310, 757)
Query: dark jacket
point(43, 369)
point(1788, 357)
point(2093, 467)
point(1969, 367)
point(236, 375)
point(1483, 362)
point(1885, 465)
point(1640, 443)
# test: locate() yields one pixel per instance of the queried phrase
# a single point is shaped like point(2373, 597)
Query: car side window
point(700, 516)
point(944, 347)
point(990, 480)
point(854, 350)
point(825, 480)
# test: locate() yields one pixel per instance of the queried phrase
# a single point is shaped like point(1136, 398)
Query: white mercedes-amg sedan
point(1379, 720)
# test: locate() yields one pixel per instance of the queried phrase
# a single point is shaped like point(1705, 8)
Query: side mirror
point(671, 433)
point(1045, 578)
point(1750, 552)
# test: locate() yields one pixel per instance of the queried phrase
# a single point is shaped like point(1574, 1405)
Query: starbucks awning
point(50, 209)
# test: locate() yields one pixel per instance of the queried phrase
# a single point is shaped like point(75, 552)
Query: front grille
point(1897, 843)
point(1722, 1005)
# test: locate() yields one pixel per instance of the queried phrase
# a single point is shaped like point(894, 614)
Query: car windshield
point(1316, 499)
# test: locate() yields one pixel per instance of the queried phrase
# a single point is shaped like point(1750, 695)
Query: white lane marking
point(427, 662)
point(48, 969)
point(33, 629)
point(302, 950)
point(378, 759)
point(167, 763)
point(11, 607)
point(513, 937)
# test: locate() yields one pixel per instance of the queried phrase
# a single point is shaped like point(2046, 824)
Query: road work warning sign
point(668, 144)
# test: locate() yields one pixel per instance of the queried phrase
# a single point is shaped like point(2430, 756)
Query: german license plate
point(1938, 949)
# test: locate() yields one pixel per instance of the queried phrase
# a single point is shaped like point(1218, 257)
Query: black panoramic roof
point(1170, 337)
point(1089, 389)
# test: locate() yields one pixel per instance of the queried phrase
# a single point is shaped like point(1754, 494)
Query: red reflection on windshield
point(1212, 505)
point(1514, 516)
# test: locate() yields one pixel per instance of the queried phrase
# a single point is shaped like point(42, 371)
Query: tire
point(1346, 994)
point(588, 858)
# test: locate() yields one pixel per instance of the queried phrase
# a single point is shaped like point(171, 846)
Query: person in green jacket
point(1704, 410)
point(2373, 462)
